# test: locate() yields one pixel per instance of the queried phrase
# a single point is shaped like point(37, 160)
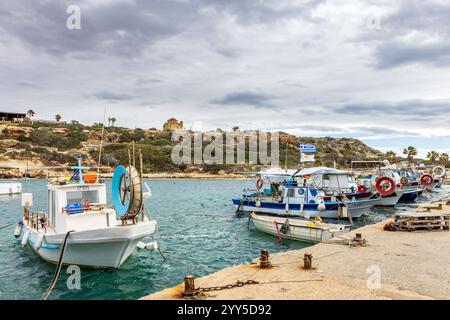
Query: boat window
point(350, 179)
point(90, 196)
point(326, 177)
point(291, 193)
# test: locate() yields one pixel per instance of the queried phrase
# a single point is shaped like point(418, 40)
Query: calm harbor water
point(200, 234)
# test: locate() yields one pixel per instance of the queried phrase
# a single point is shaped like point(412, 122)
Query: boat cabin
point(79, 207)
point(300, 195)
point(330, 180)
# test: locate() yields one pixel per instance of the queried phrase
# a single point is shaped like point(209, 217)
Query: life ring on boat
point(404, 181)
point(86, 206)
point(259, 183)
point(381, 186)
point(441, 169)
point(362, 189)
point(426, 180)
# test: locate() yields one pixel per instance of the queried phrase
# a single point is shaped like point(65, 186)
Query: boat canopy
point(321, 171)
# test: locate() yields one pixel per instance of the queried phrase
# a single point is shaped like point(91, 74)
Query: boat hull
point(391, 200)
point(357, 208)
point(10, 188)
point(410, 196)
point(98, 248)
point(296, 229)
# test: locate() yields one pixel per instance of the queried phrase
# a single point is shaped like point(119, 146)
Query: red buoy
point(362, 189)
point(385, 186)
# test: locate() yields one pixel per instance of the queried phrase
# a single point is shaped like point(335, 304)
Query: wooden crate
point(422, 220)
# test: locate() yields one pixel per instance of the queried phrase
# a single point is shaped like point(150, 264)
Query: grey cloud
point(382, 131)
point(111, 96)
point(118, 28)
point(425, 109)
point(397, 53)
point(396, 44)
point(256, 100)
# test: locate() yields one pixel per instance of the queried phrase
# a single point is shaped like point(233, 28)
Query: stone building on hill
point(173, 124)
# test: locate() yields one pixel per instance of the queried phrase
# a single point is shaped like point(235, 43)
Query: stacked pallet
point(430, 220)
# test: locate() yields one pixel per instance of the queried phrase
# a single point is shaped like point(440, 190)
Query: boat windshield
point(74, 197)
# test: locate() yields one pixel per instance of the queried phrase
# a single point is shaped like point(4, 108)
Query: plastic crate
point(74, 208)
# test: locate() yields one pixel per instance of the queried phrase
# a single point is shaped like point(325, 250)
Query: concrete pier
point(391, 265)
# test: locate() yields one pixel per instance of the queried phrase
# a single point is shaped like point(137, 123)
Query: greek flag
point(307, 148)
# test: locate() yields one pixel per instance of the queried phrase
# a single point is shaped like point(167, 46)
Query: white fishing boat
point(10, 188)
point(81, 227)
point(298, 229)
point(326, 193)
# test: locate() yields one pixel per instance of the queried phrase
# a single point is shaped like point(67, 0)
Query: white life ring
point(258, 203)
point(441, 169)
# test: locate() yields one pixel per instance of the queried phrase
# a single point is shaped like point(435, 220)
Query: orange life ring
point(362, 189)
point(86, 206)
point(426, 180)
point(259, 183)
point(381, 186)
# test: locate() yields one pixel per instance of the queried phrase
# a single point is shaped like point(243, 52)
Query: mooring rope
point(7, 225)
point(58, 268)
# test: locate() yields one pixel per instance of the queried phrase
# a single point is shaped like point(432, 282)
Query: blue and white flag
point(307, 148)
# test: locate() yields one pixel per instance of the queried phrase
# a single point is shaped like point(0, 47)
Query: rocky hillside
point(42, 144)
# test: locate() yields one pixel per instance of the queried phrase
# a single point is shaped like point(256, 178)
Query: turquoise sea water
point(200, 234)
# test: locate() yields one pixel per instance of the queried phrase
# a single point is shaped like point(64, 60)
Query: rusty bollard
point(189, 286)
point(264, 259)
point(307, 261)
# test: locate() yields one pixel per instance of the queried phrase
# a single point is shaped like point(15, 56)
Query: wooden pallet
point(422, 220)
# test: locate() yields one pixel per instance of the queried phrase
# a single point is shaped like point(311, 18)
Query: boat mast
point(101, 146)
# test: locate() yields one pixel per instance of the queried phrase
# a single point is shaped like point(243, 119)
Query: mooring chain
point(227, 286)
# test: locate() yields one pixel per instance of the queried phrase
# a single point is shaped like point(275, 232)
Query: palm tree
point(57, 117)
point(444, 158)
point(410, 152)
point(113, 120)
point(30, 113)
point(109, 122)
point(391, 156)
point(433, 156)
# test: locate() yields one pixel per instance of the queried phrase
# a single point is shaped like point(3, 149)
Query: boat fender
point(258, 203)
point(25, 237)
point(38, 241)
point(18, 229)
point(344, 211)
point(321, 206)
point(152, 245)
point(140, 245)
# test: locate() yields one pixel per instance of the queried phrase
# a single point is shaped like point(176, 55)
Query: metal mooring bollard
point(189, 286)
point(307, 261)
point(358, 237)
point(264, 259)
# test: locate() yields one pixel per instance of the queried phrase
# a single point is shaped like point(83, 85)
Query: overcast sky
point(374, 70)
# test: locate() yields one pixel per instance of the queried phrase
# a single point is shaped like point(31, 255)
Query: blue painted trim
point(44, 244)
